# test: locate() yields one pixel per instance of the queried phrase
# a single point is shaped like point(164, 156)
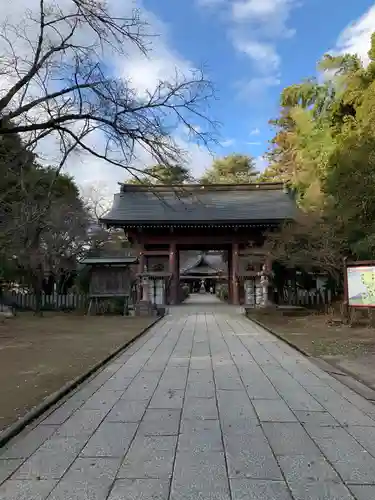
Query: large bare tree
point(58, 81)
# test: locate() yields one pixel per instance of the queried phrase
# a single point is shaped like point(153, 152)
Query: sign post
point(359, 285)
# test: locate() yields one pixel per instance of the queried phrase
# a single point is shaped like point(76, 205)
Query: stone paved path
point(206, 406)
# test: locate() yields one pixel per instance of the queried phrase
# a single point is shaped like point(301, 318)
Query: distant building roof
point(217, 203)
point(204, 264)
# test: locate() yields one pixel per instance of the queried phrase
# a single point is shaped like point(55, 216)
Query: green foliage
point(232, 169)
point(185, 292)
point(163, 174)
point(324, 146)
point(43, 221)
point(223, 293)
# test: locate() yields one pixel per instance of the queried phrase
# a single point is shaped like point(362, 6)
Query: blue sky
point(253, 48)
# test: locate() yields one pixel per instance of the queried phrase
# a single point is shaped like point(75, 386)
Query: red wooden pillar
point(141, 268)
point(234, 277)
point(270, 294)
point(173, 261)
point(229, 276)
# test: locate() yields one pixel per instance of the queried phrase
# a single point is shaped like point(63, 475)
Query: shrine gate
point(161, 221)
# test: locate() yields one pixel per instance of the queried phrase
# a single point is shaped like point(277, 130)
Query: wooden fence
point(55, 302)
point(305, 298)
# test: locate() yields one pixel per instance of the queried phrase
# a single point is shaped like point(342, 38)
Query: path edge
point(350, 376)
point(15, 428)
point(280, 337)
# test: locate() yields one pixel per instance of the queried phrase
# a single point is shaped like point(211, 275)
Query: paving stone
point(81, 424)
point(200, 362)
point(235, 405)
point(200, 435)
point(359, 470)
point(140, 489)
point(127, 411)
point(87, 479)
point(156, 363)
point(111, 439)
point(142, 387)
point(320, 491)
point(306, 468)
point(98, 380)
point(26, 490)
point(8, 466)
point(289, 439)
point(102, 400)
point(174, 378)
point(365, 436)
point(307, 378)
point(250, 456)
point(300, 399)
point(239, 426)
point(160, 423)
point(269, 410)
point(363, 492)
point(361, 398)
point(336, 443)
point(244, 489)
point(167, 399)
point(117, 383)
point(83, 393)
point(179, 361)
point(149, 457)
point(200, 408)
point(201, 375)
point(200, 476)
point(26, 443)
point(200, 389)
point(259, 387)
point(63, 412)
point(321, 418)
point(340, 408)
point(228, 380)
point(51, 460)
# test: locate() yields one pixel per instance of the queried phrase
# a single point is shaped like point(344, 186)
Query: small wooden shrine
point(110, 278)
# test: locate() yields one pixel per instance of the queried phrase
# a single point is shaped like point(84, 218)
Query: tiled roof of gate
point(196, 203)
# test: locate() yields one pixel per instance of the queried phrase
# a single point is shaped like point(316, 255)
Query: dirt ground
point(38, 355)
point(350, 348)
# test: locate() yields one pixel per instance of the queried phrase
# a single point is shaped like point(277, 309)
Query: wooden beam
point(252, 252)
point(189, 240)
point(156, 253)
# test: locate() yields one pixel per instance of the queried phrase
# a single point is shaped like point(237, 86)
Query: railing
point(306, 298)
point(54, 302)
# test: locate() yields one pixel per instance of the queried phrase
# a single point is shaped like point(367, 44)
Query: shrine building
point(164, 221)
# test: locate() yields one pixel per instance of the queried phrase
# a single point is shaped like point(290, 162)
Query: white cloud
point(254, 131)
point(269, 16)
point(356, 38)
point(257, 87)
point(144, 73)
point(161, 63)
point(210, 3)
point(227, 143)
point(261, 163)
point(254, 143)
point(263, 54)
point(255, 28)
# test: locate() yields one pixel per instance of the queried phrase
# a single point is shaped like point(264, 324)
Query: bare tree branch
point(62, 84)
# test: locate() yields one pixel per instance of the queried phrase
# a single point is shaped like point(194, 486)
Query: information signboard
point(361, 285)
